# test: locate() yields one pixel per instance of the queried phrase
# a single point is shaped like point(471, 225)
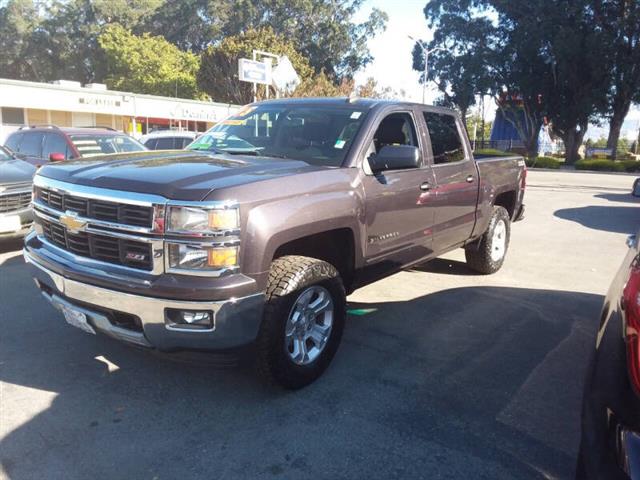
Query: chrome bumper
point(236, 321)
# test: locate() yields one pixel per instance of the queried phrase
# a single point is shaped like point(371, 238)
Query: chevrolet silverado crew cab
point(256, 233)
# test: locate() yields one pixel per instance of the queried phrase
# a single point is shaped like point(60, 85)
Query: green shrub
point(492, 152)
point(601, 165)
point(543, 162)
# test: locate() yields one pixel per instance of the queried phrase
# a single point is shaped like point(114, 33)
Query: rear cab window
point(446, 142)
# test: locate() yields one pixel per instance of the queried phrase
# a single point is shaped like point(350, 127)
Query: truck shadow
point(444, 266)
point(478, 382)
point(11, 244)
point(619, 197)
point(608, 219)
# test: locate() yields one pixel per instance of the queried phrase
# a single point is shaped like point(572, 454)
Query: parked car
point(16, 179)
point(42, 144)
point(168, 139)
point(255, 235)
point(610, 443)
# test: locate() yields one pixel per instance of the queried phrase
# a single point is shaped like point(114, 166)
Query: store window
point(12, 116)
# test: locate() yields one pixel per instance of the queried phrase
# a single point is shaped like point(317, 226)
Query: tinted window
point(54, 143)
point(318, 135)
point(13, 142)
point(31, 144)
point(151, 143)
point(90, 145)
point(445, 139)
point(395, 129)
point(182, 142)
point(164, 143)
point(4, 155)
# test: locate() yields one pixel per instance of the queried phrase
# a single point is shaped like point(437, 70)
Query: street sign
point(284, 77)
point(254, 72)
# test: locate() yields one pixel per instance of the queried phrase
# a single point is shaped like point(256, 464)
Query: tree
point(218, 75)
point(620, 23)
point(323, 31)
point(542, 55)
point(457, 64)
point(22, 39)
point(147, 64)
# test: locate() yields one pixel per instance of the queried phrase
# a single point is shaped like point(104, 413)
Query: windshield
point(316, 135)
point(91, 145)
point(4, 155)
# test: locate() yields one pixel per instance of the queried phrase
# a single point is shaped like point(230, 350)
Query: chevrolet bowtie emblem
point(70, 220)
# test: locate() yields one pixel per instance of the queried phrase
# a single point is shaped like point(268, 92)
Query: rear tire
point(488, 253)
point(303, 321)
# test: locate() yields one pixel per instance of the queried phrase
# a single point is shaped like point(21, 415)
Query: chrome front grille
point(14, 202)
point(118, 251)
point(113, 227)
point(134, 215)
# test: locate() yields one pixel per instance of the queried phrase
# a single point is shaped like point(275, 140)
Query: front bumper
point(236, 320)
point(26, 222)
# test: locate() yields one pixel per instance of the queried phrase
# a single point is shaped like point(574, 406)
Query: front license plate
point(76, 318)
point(10, 223)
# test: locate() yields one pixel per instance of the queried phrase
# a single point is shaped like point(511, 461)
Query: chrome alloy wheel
point(309, 325)
point(499, 241)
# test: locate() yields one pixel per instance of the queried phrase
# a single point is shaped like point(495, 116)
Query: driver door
point(399, 215)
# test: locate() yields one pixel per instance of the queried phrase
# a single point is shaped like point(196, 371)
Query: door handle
point(471, 179)
point(425, 187)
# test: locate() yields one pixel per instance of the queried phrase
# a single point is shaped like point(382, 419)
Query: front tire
point(303, 321)
point(488, 253)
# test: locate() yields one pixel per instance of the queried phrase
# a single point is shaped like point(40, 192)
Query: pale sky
point(391, 66)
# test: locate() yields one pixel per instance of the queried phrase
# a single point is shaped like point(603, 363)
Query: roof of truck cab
point(334, 101)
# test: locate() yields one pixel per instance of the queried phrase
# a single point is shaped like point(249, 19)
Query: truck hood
point(177, 175)
point(15, 171)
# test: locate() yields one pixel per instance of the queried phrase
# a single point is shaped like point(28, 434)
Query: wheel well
point(334, 246)
point(507, 200)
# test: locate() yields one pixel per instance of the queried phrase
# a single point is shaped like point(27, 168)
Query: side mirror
point(635, 191)
point(395, 157)
point(56, 157)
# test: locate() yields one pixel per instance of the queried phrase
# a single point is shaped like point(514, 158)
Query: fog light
point(189, 319)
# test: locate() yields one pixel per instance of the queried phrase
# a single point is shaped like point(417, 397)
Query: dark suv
point(42, 144)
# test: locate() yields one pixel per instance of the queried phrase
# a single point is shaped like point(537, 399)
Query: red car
point(42, 144)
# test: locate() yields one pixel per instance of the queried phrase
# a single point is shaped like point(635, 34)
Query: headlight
point(193, 257)
point(201, 221)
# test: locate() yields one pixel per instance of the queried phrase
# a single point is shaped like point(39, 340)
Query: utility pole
point(426, 52)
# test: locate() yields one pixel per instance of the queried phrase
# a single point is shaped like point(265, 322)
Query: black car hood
point(177, 175)
point(15, 171)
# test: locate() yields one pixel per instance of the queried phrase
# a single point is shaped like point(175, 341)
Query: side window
point(395, 129)
point(32, 144)
point(13, 142)
point(54, 143)
point(445, 139)
point(164, 143)
point(151, 143)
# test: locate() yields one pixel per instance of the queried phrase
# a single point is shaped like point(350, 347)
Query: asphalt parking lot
point(441, 374)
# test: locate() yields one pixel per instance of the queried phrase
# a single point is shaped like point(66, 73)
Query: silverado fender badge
point(70, 220)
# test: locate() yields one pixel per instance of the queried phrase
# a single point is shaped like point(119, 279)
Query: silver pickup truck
point(256, 234)
point(16, 177)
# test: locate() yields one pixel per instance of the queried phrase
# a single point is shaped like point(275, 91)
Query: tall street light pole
point(425, 72)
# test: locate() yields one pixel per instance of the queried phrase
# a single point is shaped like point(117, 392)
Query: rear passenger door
point(456, 178)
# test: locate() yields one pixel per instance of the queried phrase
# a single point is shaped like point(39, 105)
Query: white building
point(69, 104)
